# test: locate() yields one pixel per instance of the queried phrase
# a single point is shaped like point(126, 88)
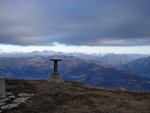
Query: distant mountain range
point(72, 68)
point(115, 59)
point(139, 66)
point(107, 58)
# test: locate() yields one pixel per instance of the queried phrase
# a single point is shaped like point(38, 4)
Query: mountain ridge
point(140, 66)
point(71, 68)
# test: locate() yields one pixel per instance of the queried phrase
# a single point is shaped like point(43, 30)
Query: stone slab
point(25, 95)
point(2, 103)
point(4, 99)
point(12, 96)
point(2, 87)
point(20, 100)
point(9, 93)
point(9, 106)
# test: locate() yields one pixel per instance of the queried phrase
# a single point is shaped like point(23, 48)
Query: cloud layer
point(75, 22)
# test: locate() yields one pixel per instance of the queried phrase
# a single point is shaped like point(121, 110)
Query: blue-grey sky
point(88, 23)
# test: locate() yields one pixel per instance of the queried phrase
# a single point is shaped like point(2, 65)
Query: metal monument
point(55, 77)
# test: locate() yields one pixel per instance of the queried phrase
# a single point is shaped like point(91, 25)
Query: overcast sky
point(88, 23)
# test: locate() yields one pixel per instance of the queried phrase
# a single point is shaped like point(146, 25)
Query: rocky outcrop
point(11, 101)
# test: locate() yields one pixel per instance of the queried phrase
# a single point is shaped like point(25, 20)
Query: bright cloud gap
point(79, 49)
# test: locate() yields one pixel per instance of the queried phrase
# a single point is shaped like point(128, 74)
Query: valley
point(90, 72)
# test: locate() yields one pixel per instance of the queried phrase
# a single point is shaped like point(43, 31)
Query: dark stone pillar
point(55, 77)
point(55, 66)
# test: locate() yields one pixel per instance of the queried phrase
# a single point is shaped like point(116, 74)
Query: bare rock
point(9, 93)
point(12, 96)
point(9, 106)
point(25, 95)
point(2, 103)
point(4, 99)
point(20, 100)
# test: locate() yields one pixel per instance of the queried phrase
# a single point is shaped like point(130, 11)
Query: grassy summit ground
point(75, 97)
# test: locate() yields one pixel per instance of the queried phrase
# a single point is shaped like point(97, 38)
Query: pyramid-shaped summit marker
point(55, 77)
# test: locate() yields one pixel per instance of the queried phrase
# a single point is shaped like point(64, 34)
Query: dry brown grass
point(75, 97)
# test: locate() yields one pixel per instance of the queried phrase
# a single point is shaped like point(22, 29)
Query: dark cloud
point(75, 22)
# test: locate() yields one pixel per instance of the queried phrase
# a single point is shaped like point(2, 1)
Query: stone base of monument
point(2, 87)
point(55, 77)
